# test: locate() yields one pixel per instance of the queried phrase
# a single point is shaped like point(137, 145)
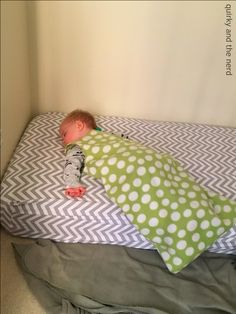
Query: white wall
point(158, 60)
point(15, 88)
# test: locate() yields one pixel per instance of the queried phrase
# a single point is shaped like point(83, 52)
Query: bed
point(33, 203)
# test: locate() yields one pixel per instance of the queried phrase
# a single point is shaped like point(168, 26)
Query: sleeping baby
point(180, 217)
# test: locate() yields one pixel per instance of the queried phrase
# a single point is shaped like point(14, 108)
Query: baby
point(76, 125)
point(73, 128)
point(157, 194)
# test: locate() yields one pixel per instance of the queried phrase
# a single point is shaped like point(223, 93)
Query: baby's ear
point(79, 124)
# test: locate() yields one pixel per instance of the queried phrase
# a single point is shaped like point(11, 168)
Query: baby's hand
point(76, 192)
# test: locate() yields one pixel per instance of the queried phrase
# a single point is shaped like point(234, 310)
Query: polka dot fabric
point(181, 218)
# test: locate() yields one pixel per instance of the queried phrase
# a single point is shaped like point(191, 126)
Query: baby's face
point(69, 132)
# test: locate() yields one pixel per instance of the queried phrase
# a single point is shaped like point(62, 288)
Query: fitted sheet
point(33, 203)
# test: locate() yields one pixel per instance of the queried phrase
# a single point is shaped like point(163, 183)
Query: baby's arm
point(74, 166)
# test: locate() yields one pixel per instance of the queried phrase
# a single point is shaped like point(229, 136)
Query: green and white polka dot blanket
point(181, 218)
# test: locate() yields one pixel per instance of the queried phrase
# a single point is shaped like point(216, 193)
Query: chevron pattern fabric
point(34, 205)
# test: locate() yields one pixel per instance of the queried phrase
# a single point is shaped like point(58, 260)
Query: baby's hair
point(81, 115)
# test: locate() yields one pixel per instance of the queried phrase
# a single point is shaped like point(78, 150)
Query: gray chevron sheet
point(33, 203)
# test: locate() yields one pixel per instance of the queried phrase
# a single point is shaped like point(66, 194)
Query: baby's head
point(76, 125)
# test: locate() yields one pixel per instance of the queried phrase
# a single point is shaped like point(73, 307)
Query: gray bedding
point(93, 278)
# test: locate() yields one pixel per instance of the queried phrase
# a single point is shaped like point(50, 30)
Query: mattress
point(34, 205)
